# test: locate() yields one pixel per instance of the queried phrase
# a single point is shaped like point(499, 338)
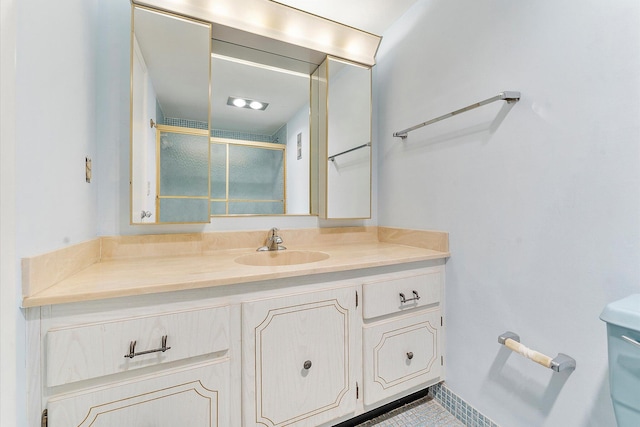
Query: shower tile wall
point(279, 137)
point(219, 133)
point(185, 123)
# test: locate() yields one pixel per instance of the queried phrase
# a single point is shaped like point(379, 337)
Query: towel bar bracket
point(508, 335)
point(563, 362)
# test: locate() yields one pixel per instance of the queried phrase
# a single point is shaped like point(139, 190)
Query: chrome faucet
point(273, 242)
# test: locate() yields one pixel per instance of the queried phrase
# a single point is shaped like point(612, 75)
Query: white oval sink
point(286, 257)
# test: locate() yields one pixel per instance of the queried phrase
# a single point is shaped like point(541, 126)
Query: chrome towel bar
point(509, 96)
point(559, 363)
point(333, 158)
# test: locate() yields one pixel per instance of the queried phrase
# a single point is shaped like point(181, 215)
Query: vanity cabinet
point(300, 358)
point(170, 91)
point(402, 342)
point(301, 351)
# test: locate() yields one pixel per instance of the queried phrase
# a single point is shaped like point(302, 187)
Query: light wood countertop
point(119, 277)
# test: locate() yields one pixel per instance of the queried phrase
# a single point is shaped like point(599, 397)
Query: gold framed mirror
point(170, 98)
point(186, 77)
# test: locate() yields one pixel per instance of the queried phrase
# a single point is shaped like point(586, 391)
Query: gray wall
point(541, 201)
point(49, 85)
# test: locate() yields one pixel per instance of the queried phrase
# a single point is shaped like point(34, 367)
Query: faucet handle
point(274, 241)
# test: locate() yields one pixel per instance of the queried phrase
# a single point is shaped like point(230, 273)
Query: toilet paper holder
point(561, 362)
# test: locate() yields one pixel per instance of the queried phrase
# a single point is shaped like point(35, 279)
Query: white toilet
point(623, 336)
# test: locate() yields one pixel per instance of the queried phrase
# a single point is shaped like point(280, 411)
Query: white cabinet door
point(401, 353)
point(299, 358)
point(194, 396)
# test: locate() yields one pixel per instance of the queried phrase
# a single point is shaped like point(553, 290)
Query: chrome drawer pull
point(631, 340)
point(132, 349)
point(410, 355)
point(307, 364)
point(403, 299)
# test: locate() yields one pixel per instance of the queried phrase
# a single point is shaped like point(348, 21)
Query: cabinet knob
point(410, 355)
point(307, 364)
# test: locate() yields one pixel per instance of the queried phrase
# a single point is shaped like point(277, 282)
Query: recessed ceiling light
point(239, 102)
point(247, 103)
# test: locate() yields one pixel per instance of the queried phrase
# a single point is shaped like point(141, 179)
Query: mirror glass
point(348, 139)
point(222, 124)
point(170, 60)
point(260, 153)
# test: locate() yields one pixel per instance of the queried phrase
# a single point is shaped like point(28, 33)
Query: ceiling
point(373, 16)
point(286, 94)
point(175, 55)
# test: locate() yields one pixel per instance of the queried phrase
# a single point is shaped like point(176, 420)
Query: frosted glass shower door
point(247, 178)
point(183, 175)
point(256, 180)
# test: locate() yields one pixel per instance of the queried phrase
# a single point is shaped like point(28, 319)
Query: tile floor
point(425, 412)
point(458, 407)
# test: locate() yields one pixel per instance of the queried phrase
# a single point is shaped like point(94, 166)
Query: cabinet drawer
point(400, 354)
point(92, 350)
point(383, 296)
point(194, 396)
